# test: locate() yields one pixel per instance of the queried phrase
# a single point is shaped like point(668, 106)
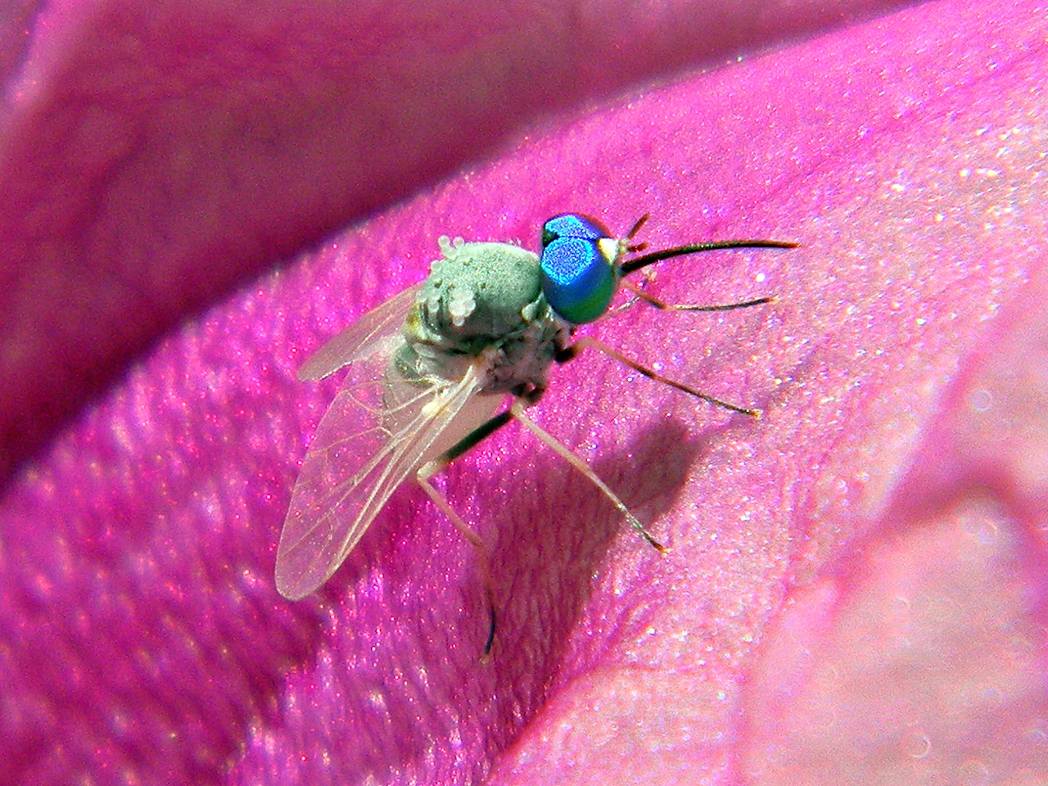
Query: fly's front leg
point(571, 352)
point(662, 305)
point(431, 468)
point(518, 413)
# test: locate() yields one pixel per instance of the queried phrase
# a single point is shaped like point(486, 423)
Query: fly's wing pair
point(361, 339)
point(376, 433)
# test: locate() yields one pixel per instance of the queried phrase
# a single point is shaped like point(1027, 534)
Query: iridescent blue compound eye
point(572, 225)
point(579, 276)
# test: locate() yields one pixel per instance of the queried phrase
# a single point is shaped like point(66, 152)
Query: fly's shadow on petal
point(552, 534)
point(555, 536)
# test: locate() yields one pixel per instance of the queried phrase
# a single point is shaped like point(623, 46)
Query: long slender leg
point(517, 410)
point(661, 304)
point(431, 468)
point(483, 553)
point(588, 341)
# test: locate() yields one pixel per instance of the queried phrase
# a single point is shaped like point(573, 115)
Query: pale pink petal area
point(155, 153)
point(946, 603)
point(901, 562)
point(875, 506)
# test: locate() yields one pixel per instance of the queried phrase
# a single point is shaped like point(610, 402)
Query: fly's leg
point(571, 352)
point(483, 552)
point(431, 468)
point(518, 413)
point(641, 294)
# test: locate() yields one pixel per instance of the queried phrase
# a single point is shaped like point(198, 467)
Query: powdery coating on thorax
point(483, 301)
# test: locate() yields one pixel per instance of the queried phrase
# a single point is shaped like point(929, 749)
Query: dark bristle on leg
point(491, 632)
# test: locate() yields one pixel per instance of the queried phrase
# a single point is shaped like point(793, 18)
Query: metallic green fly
point(430, 369)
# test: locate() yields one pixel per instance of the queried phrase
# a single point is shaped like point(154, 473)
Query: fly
point(430, 369)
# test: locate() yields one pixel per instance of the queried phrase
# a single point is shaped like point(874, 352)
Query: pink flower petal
point(142, 637)
point(153, 154)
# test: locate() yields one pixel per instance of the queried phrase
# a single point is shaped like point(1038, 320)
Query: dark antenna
point(632, 265)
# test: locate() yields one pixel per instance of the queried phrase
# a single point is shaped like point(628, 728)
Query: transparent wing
point(362, 338)
point(379, 429)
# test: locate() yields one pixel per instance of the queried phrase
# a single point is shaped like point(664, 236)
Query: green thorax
point(484, 299)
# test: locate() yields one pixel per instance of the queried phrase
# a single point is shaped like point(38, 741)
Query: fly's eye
point(578, 278)
point(572, 225)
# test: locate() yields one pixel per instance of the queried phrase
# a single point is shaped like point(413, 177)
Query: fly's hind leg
point(431, 468)
point(518, 413)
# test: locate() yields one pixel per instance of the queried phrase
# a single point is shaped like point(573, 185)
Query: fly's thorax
point(477, 293)
point(482, 306)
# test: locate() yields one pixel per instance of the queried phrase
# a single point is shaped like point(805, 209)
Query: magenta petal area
point(855, 588)
point(155, 153)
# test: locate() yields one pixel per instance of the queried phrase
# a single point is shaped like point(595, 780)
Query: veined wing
point(380, 428)
point(362, 338)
